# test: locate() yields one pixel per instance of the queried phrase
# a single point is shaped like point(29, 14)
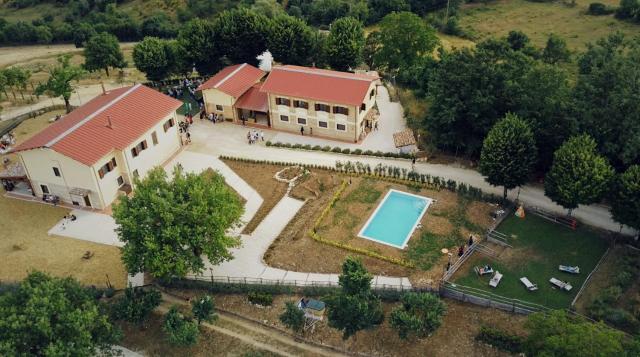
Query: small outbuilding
point(405, 141)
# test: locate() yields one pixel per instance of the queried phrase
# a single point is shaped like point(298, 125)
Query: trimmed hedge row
point(339, 150)
point(274, 289)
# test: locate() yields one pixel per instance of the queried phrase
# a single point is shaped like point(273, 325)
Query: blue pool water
point(396, 217)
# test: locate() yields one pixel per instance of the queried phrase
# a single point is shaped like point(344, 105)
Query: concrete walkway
point(89, 226)
point(391, 121)
point(230, 139)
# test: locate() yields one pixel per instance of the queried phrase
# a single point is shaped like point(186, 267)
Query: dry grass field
point(538, 20)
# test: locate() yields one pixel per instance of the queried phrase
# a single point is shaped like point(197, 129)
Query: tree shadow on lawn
point(539, 247)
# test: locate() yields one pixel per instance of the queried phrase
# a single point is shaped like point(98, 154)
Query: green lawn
point(539, 247)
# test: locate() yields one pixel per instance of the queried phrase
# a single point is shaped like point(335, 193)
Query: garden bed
point(539, 246)
point(447, 223)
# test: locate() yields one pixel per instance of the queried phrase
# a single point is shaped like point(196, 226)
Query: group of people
point(6, 141)
point(254, 135)
point(68, 218)
point(212, 117)
point(184, 127)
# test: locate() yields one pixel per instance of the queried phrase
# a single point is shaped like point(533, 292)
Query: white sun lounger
point(561, 284)
point(528, 284)
point(569, 269)
point(495, 280)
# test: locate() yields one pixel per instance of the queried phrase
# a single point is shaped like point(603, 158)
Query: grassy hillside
point(538, 20)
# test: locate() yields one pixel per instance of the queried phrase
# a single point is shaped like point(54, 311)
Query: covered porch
point(253, 108)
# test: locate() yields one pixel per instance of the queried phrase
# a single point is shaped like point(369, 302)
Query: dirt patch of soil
point(479, 213)
point(289, 173)
point(455, 337)
point(152, 341)
point(261, 178)
point(438, 225)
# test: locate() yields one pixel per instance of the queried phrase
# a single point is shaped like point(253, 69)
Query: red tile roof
point(85, 134)
point(254, 99)
point(318, 84)
point(234, 80)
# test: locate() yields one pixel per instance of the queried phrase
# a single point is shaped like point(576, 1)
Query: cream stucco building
point(310, 101)
point(93, 154)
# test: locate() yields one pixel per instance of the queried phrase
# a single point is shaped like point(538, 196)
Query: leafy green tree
point(556, 50)
point(60, 78)
point(629, 9)
point(371, 47)
point(241, 35)
point(187, 217)
point(103, 51)
point(158, 25)
point(469, 90)
point(625, 200)
point(203, 309)
point(558, 334)
point(508, 153)
point(292, 317)
point(48, 316)
point(420, 314)
point(269, 8)
point(152, 57)
point(355, 307)
point(404, 39)
point(16, 78)
point(607, 98)
point(543, 98)
point(180, 330)
point(381, 8)
point(517, 40)
point(579, 175)
point(136, 304)
point(198, 46)
point(345, 44)
point(289, 40)
point(82, 33)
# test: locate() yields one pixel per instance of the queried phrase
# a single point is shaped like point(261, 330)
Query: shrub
point(268, 143)
point(292, 317)
point(368, 152)
point(357, 151)
point(598, 8)
point(136, 304)
point(260, 298)
point(203, 309)
point(97, 293)
point(346, 151)
point(180, 330)
point(296, 146)
point(286, 145)
point(336, 149)
point(500, 339)
point(420, 314)
point(622, 319)
point(379, 153)
point(316, 147)
point(326, 148)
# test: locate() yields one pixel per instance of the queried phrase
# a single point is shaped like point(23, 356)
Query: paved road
point(229, 139)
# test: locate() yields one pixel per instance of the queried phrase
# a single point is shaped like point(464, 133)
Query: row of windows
point(108, 167)
point(318, 106)
point(321, 123)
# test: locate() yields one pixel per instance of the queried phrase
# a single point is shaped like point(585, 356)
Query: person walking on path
point(376, 127)
point(302, 130)
point(413, 163)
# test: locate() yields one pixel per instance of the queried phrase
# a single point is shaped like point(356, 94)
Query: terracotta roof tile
point(254, 99)
point(85, 135)
point(318, 84)
point(234, 80)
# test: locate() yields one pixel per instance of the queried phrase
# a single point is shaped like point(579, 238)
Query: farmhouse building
point(330, 104)
point(92, 154)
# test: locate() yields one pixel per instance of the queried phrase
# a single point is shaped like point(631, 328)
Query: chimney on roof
point(109, 125)
point(103, 90)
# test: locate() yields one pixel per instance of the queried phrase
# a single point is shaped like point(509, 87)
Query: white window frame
point(306, 121)
point(284, 121)
point(345, 127)
point(323, 127)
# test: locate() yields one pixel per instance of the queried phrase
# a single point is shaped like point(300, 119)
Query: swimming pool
point(395, 219)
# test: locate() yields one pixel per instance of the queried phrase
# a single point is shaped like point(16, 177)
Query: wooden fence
point(487, 299)
point(12, 123)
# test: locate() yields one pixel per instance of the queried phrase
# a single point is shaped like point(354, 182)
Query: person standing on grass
point(470, 240)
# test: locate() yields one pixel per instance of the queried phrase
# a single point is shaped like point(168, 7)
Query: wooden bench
point(528, 284)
